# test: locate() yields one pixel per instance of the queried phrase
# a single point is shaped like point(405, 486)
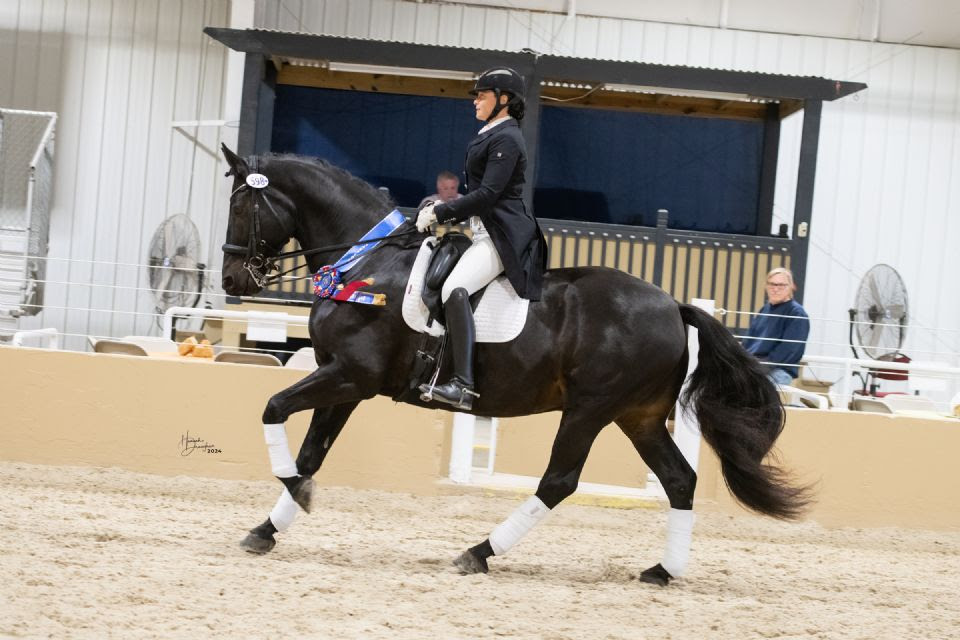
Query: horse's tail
point(740, 416)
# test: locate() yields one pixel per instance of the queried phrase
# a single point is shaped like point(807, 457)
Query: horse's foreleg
point(297, 477)
point(578, 429)
point(325, 426)
point(661, 454)
point(315, 391)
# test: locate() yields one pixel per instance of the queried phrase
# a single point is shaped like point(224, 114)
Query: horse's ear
point(238, 166)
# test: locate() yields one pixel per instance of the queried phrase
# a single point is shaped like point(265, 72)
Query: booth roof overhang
point(560, 75)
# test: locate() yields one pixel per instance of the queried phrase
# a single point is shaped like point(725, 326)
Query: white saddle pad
point(499, 317)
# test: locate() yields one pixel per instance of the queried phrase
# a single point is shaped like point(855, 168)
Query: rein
point(256, 262)
point(334, 247)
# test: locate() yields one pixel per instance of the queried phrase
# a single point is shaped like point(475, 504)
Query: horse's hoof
point(303, 493)
point(257, 544)
point(301, 490)
point(468, 563)
point(656, 575)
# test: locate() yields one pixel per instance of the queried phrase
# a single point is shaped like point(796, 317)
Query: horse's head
point(261, 222)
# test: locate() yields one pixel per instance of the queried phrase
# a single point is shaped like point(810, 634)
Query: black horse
point(601, 346)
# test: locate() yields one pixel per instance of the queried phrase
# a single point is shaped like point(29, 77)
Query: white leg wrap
point(281, 462)
point(524, 518)
point(284, 512)
point(679, 533)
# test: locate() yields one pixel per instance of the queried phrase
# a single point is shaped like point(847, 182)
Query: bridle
point(256, 261)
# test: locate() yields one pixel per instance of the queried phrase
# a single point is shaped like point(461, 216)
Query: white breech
point(477, 268)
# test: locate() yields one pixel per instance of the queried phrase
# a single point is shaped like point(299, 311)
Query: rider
point(506, 237)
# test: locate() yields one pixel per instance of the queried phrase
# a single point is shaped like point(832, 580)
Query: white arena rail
point(850, 365)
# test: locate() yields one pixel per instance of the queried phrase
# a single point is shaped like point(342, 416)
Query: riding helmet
point(500, 79)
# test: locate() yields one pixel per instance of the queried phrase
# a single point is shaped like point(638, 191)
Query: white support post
point(847, 385)
point(686, 428)
point(461, 448)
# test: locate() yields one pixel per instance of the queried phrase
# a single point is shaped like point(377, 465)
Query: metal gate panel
point(26, 187)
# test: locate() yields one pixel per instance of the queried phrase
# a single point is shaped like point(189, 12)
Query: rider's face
point(484, 102)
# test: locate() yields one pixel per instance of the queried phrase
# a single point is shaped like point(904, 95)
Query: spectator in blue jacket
point(778, 333)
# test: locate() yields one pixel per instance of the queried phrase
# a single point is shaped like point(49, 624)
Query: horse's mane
point(363, 188)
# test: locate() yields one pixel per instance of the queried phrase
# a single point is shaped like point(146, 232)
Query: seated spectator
point(778, 333)
point(448, 185)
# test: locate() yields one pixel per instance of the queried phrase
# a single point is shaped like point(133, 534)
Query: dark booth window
point(394, 141)
point(601, 165)
point(594, 165)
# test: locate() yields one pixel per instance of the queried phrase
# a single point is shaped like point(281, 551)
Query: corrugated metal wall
point(118, 73)
point(888, 177)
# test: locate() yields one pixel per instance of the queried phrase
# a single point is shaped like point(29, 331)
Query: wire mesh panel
point(26, 187)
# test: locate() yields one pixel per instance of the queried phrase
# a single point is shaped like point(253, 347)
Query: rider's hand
point(426, 217)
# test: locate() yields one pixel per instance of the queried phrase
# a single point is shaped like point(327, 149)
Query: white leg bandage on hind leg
point(679, 534)
point(524, 518)
point(281, 462)
point(284, 512)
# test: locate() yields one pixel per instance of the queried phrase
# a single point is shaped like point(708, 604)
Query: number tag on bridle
point(257, 180)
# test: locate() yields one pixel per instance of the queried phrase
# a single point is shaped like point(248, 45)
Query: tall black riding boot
point(463, 337)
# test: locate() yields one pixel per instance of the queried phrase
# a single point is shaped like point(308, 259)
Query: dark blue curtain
point(395, 141)
point(613, 166)
point(594, 165)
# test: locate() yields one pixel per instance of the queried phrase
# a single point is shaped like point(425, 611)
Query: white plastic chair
point(119, 346)
point(153, 344)
point(48, 338)
point(244, 357)
point(303, 358)
point(902, 402)
point(874, 405)
point(798, 397)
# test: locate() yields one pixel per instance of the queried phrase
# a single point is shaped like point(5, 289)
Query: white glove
point(426, 217)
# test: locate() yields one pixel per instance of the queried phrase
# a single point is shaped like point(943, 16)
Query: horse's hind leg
point(652, 441)
point(579, 428)
point(297, 477)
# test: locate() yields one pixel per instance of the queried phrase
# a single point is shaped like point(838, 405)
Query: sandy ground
point(90, 552)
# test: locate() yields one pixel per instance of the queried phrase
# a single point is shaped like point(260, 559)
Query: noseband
point(259, 258)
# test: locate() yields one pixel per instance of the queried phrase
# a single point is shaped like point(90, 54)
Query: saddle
point(447, 252)
point(499, 312)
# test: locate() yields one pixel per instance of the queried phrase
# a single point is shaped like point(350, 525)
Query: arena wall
point(68, 408)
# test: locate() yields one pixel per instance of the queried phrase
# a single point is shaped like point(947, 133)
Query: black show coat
point(496, 160)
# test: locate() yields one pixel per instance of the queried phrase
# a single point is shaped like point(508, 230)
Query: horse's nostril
point(227, 282)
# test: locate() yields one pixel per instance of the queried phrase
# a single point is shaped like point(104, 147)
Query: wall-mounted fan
point(175, 273)
point(878, 319)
